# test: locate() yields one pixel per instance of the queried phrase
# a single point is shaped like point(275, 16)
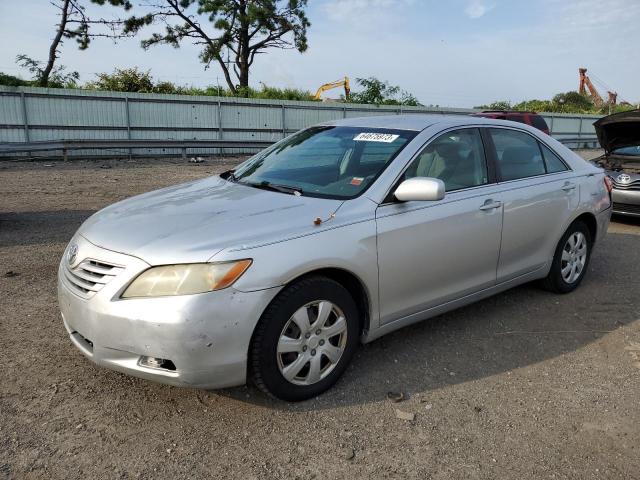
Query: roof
point(416, 122)
point(506, 112)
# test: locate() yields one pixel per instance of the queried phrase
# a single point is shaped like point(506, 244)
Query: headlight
point(185, 279)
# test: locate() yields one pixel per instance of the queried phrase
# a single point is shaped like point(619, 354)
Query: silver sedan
point(275, 271)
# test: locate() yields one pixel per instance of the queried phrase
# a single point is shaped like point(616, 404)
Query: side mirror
point(420, 189)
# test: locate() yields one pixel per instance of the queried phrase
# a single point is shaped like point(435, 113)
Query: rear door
point(538, 197)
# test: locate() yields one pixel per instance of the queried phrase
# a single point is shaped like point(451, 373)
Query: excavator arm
point(337, 84)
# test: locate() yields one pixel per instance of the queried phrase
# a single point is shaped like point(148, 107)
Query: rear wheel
point(304, 340)
point(571, 259)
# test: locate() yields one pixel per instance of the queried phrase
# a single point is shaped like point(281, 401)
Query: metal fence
point(29, 114)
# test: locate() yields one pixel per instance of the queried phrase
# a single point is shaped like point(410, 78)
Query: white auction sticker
point(375, 137)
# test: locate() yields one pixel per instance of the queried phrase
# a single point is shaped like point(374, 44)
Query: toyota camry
point(275, 271)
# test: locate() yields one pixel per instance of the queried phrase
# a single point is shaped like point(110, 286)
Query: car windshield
point(328, 161)
point(631, 151)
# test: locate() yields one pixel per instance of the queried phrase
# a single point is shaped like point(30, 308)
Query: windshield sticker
point(375, 137)
point(356, 180)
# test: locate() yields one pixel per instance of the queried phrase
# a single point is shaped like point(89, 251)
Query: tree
point(238, 30)
point(498, 105)
point(43, 76)
point(573, 102)
point(74, 23)
point(379, 92)
point(132, 80)
point(13, 81)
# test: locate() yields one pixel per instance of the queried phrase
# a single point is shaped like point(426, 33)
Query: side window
point(518, 154)
point(554, 164)
point(457, 158)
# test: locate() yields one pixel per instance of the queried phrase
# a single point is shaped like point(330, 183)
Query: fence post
point(344, 112)
point(126, 106)
point(580, 128)
point(27, 137)
point(220, 132)
point(551, 126)
point(284, 130)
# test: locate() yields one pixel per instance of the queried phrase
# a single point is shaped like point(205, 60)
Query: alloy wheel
point(574, 257)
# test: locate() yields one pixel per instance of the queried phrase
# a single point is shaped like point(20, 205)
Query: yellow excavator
point(337, 84)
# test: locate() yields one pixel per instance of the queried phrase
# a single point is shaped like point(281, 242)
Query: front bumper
point(626, 202)
point(205, 336)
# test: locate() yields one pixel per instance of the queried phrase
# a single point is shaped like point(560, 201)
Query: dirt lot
point(523, 385)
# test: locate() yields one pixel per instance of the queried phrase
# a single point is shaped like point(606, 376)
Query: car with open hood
point(275, 271)
point(619, 136)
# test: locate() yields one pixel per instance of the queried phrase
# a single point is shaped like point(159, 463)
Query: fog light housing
point(157, 363)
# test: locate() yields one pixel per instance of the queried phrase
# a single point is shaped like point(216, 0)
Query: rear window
point(538, 122)
point(516, 117)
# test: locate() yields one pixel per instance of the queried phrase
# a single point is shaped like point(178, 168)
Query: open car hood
point(619, 130)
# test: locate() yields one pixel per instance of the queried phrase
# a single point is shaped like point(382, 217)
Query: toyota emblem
point(72, 254)
point(623, 178)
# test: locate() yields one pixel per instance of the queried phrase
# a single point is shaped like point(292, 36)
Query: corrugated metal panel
point(251, 117)
point(188, 115)
point(11, 110)
point(75, 111)
point(9, 135)
point(298, 118)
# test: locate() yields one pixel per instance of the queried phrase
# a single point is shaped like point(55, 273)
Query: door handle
point(567, 187)
point(490, 205)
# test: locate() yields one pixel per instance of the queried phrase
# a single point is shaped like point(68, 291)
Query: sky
point(456, 53)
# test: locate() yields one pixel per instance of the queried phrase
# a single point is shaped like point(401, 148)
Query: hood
point(619, 130)
point(194, 221)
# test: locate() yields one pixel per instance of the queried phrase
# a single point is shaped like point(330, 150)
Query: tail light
point(608, 183)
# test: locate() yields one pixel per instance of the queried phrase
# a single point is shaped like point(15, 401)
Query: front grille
point(89, 276)
point(627, 208)
point(635, 185)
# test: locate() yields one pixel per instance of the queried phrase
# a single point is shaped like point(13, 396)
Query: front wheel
point(304, 340)
point(571, 259)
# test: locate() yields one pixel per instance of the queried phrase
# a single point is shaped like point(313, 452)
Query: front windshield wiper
point(229, 175)
point(264, 185)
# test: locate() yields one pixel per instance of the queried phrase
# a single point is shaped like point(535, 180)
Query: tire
point(283, 344)
point(558, 280)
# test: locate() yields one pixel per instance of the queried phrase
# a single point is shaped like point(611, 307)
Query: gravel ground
point(523, 385)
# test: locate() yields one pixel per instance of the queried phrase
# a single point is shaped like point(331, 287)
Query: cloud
point(477, 8)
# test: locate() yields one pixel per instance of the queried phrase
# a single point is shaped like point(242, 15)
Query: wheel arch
point(352, 283)
point(589, 219)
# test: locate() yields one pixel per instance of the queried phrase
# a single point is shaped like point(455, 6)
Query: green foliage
point(57, 78)
point(134, 80)
point(13, 81)
point(574, 101)
point(378, 92)
point(535, 106)
point(498, 105)
point(274, 93)
point(567, 102)
point(128, 80)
